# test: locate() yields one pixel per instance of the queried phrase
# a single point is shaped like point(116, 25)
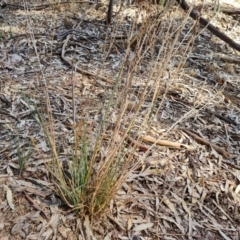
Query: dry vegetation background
point(161, 93)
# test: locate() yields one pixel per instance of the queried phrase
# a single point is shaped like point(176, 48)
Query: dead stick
point(204, 22)
point(207, 143)
point(165, 143)
point(36, 206)
point(141, 147)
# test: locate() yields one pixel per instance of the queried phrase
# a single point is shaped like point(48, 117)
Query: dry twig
point(36, 206)
point(166, 143)
point(207, 143)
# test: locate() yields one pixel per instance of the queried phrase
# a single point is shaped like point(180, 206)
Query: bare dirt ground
point(191, 192)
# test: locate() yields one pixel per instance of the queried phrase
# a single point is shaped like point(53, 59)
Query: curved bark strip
point(196, 16)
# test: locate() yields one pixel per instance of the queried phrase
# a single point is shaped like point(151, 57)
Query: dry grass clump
point(102, 159)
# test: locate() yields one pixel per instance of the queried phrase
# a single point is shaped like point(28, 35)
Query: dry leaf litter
point(175, 193)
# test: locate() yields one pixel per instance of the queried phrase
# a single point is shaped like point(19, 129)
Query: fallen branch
point(218, 149)
point(204, 22)
point(207, 143)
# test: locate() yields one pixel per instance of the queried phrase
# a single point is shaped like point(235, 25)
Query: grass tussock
point(88, 184)
point(101, 159)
